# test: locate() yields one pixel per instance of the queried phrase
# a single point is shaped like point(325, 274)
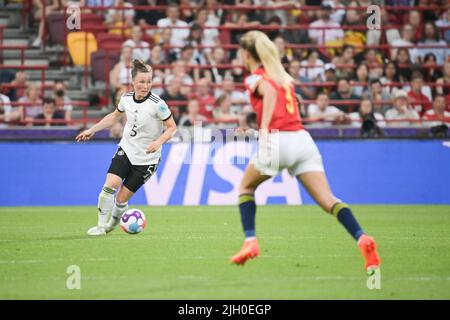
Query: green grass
point(184, 252)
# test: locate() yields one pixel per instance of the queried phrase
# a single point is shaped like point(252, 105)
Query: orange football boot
point(249, 250)
point(369, 251)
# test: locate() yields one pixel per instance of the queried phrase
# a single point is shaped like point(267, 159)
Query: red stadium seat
point(92, 23)
point(57, 28)
point(110, 42)
point(102, 63)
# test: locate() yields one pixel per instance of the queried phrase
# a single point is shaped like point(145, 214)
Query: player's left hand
point(153, 147)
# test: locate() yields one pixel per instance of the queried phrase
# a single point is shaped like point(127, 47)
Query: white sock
point(105, 204)
point(118, 210)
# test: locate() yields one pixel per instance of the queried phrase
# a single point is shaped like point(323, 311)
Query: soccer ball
point(133, 221)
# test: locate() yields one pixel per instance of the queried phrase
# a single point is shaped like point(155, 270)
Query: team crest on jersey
point(162, 107)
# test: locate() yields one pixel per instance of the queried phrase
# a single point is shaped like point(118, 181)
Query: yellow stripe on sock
point(245, 198)
point(337, 207)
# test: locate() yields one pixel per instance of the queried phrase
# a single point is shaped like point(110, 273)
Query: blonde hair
point(263, 50)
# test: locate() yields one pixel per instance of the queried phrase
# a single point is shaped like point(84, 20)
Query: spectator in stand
point(205, 98)
point(324, 35)
point(432, 14)
point(390, 78)
point(312, 67)
point(157, 56)
point(346, 58)
point(344, 92)
point(165, 41)
point(146, 18)
point(62, 102)
point(187, 11)
point(180, 70)
point(49, 116)
point(173, 93)
point(216, 74)
point(193, 117)
point(141, 49)
point(430, 69)
point(406, 40)
point(210, 35)
point(224, 113)
point(196, 39)
point(32, 104)
point(237, 71)
point(330, 77)
point(404, 65)
point(374, 61)
point(418, 101)
point(294, 71)
point(338, 12)
point(444, 21)
point(120, 21)
point(439, 114)
point(321, 112)
point(366, 110)
point(214, 14)
point(401, 111)
point(7, 113)
point(399, 3)
point(120, 76)
point(431, 37)
point(180, 34)
point(187, 56)
point(284, 53)
point(380, 100)
point(238, 98)
point(290, 35)
point(443, 83)
point(414, 18)
point(362, 78)
point(17, 86)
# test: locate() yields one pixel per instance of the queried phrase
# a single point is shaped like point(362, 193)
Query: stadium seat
point(56, 27)
point(109, 42)
point(101, 64)
point(76, 42)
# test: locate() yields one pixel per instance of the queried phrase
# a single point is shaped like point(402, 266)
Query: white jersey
point(144, 125)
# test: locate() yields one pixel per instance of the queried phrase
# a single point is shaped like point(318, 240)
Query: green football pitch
point(184, 252)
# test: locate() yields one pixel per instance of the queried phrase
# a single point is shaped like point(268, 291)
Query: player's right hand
point(85, 135)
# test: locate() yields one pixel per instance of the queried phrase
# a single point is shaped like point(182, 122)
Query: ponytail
point(265, 51)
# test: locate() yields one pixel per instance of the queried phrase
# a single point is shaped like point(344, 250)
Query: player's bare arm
point(106, 122)
point(171, 128)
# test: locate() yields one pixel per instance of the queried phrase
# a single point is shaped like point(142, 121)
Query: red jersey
point(420, 102)
point(285, 116)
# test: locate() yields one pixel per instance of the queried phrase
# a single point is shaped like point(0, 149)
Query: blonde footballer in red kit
point(284, 144)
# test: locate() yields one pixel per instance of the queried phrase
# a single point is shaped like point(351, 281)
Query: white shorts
point(291, 150)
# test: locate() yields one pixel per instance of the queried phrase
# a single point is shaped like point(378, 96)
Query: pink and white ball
point(133, 221)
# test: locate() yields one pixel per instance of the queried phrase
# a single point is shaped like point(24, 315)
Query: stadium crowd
point(345, 74)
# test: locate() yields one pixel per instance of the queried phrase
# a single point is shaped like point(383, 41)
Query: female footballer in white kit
point(284, 144)
point(139, 151)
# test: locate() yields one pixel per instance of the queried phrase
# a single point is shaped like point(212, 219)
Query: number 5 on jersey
point(133, 131)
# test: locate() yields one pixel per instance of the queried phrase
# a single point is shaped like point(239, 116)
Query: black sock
point(247, 207)
point(345, 216)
